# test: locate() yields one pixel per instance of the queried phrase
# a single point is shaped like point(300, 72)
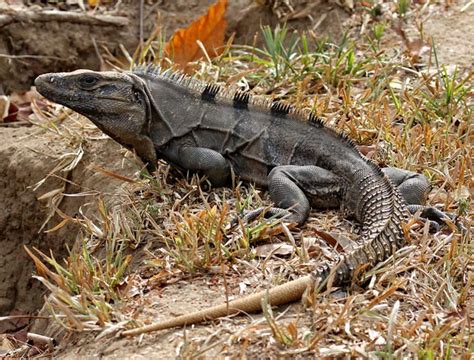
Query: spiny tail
point(383, 213)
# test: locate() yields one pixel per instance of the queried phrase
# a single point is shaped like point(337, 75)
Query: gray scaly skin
point(215, 131)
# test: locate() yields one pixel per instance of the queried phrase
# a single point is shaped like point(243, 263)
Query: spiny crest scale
point(241, 99)
point(281, 108)
point(316, 121)
point(210, 91)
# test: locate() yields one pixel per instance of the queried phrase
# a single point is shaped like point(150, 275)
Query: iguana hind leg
point(323, 189)
point(414, 189)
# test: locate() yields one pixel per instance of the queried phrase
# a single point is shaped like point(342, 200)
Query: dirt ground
point(26, 157)
point(453, 33)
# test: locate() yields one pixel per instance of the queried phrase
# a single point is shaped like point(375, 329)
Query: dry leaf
point(338, 241)
point(4, 106)
point(292, 330)
point(274, 249)
point(112, 174)
point(209, 29)
point(417, 48)
point(368, 150)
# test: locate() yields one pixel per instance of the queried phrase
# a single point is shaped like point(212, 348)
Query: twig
point(141, 24)
point(8, 16)
point(96, 49)
point(32, 57)
point(38, 339)
point(13, 317)
point(15, 124)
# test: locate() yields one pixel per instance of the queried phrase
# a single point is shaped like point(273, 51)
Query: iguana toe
point(267, 213)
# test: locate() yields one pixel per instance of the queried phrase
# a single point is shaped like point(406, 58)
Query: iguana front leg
point(145, 149)
point(201, 160)
point(285, 184)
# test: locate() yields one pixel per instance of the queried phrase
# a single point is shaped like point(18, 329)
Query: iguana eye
point(88, 81)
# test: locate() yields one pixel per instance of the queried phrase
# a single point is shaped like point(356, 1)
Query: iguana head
point(101, 96)
point(116, 102)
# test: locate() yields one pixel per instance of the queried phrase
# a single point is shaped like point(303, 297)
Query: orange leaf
point(209, 29)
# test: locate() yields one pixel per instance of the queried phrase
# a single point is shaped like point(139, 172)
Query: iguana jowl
point(214, 131)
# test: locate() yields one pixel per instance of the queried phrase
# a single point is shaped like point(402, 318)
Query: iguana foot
point(436, 218)
point(268, 214)
point(150, 167)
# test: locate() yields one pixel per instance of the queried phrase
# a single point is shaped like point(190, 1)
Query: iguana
point(216, 131)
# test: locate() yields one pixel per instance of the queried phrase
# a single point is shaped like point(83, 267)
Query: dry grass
point(419, 303)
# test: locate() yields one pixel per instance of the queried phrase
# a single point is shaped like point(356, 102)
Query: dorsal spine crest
point(281, 108)
point(210, 92)
point(239, 99)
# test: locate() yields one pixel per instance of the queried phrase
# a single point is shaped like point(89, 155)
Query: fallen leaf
point(368, 150)
point(462, 193)
point(207, 31)
point(349, 4)
point(373, 334)
point(17, 107)
point(274, 249)
point(6, 345)
point(338, 241)
point(13, 112)
point(417, 48)
point(292, 330)
point(4, 106)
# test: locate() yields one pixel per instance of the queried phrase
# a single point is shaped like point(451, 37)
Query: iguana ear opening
point(143, 95)
point(156, 125)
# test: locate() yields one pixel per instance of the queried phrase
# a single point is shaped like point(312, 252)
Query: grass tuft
point(84, 288)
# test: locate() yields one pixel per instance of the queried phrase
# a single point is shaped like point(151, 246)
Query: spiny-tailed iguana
point(215, 131)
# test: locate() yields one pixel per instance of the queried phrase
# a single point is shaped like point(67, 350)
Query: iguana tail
point(279, 295)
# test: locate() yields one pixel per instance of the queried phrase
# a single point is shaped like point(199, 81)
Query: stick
point(8, 16)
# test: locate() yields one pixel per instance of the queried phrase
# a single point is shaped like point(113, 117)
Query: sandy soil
point(453, 35)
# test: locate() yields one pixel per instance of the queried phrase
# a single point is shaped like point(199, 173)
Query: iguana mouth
point(113, 98)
